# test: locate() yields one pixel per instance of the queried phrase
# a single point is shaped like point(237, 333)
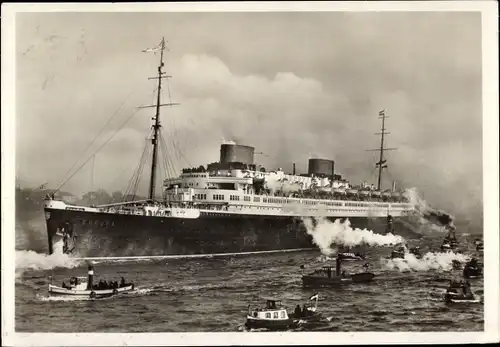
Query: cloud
point(293, 85)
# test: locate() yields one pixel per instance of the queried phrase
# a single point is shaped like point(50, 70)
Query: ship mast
point(382, 163)
point(156, 118)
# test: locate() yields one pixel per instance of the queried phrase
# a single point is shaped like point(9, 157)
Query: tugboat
point(450, 241)
point(473, 269)
point(274, 316)
point(459, 292)
point(328, 276)
point(81, 288)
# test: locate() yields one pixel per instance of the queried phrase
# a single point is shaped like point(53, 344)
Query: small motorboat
point(80, 287)
point(328, 276)
point(459, 292)
point(274, 316)
point(473, 269)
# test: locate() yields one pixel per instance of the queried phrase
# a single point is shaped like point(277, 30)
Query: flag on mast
point(155, 49)
point(381, 113)
point(314, 297)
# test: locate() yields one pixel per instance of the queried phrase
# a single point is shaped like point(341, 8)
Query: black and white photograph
point(274, 172)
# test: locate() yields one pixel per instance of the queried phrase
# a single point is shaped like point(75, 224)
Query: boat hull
point(94, 293)
point(92, 234)
point(318, 281)
point(269, 324)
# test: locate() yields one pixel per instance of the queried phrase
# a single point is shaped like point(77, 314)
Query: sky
point(293, 85)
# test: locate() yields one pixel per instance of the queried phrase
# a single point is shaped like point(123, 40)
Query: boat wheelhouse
point(272, 316)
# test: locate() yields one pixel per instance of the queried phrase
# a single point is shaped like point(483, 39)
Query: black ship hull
point(90, 234)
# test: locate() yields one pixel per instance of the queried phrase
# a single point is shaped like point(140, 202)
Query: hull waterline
point(89, 234)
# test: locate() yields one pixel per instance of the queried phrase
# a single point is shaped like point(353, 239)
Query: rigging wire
point(128, 189)
point(97, 151)
point(169, 166)
point(95, 139)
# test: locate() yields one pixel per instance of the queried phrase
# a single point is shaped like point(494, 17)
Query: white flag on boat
point(314, 297)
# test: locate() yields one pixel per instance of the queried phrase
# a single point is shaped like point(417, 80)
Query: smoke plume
point(326, 233)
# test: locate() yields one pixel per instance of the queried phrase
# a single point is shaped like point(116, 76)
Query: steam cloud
point(430, 261)
point(326, 233)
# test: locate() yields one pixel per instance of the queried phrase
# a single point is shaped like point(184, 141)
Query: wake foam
point(30, 260)
point(429, 261)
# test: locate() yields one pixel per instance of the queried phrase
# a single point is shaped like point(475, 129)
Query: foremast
point(157, 124)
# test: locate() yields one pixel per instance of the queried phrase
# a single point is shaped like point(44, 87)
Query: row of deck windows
point(275, 315)
point(220, 197)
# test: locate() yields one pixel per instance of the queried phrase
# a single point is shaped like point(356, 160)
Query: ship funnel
point(393, 186)
point(91, 277)
point(293, 171)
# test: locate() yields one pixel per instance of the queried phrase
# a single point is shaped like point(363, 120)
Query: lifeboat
point(396, 195)
point(473, 269)
point(364, 193)
point(339, 191)
point(329, 276)
point(376, 194)
point(352, 191)
point(80, 287)
point(459, 293)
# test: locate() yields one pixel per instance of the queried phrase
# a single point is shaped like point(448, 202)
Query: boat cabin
point(327, 271)
point(273, 310)
point(76, 283)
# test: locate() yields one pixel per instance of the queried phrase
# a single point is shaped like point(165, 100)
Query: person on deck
point(298, 311)
point(122, 282)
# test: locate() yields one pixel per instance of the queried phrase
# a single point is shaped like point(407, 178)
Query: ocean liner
point(230, 206)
